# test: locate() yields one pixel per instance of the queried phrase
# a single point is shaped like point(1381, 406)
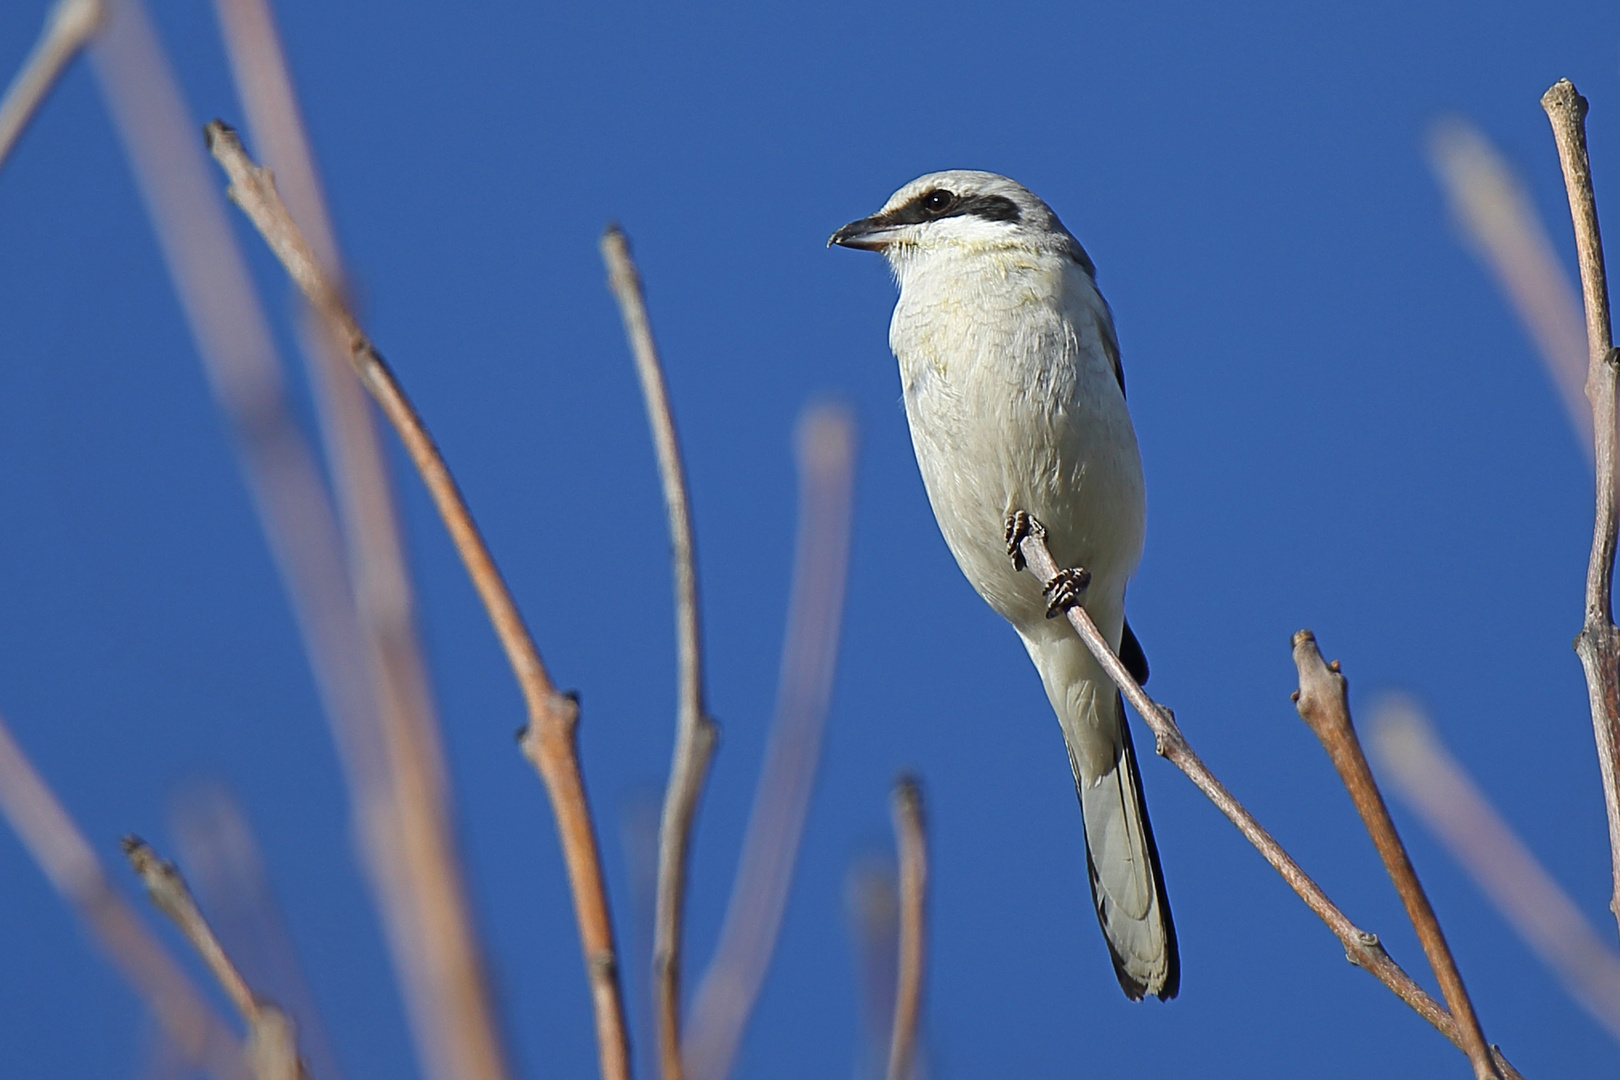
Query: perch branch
point(272, 1048)
point(695, 731)
point(1435, 784)
point(759, 892)
point(1323, 701)
point(1598, 644)
point(1361, 948)
point(57, 845)
point(69, 26)
point(910, 830)
point(550, 738)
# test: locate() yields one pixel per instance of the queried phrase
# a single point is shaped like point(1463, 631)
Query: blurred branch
point(1598, 644)
point(56, 844)
point(69, 26)
point(1360, 947)
point(695, 732)
point(731, 984)
point(1324, 704)
point(872, 904)
point(911, 833)
point(363, 653)
point(1498, 218)
point(1446, 798)
point(272, 1047)
point(550, 738)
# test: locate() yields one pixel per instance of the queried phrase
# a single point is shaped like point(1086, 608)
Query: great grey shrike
point(1016, 400)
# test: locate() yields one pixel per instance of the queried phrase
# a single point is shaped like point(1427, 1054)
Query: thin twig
point(1435, 784)
point(1323, 701)
point(872, 905)
point(51, 837)
point(1502, 224)
point(1598, 644)
point(272, 1047)
point(731, 984)
point(69, 26)
point(695, 731)
point(1360, 947)
point(549, 740)
point(911, 834)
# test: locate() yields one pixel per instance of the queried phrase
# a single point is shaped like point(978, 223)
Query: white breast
point(1014, 404)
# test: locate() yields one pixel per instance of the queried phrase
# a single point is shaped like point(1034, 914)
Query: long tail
point(1122, 861)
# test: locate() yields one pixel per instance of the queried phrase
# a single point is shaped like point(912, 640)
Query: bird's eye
point(938, 201)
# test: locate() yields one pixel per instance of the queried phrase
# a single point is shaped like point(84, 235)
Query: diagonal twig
point(1435, 784)
point(695, 731)
point(1361, 948)
point(911, 832)
point(59, 848)
point(1598, 644)
point(1323, 701)
point(272, 1047)
point(550, 738)
point(732, 982)
point(69, 26)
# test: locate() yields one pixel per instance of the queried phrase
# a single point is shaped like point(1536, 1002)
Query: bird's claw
point(1020, 525)
point(1063, 591)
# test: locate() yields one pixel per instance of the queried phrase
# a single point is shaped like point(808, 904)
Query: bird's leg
point(1063, 591)
point(1019, 525)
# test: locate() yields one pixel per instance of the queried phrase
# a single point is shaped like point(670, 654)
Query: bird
point(1014, 393)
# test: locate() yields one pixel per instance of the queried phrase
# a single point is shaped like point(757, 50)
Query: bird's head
point(960, 210)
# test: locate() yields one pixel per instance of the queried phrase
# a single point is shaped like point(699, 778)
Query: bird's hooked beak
point(868, 234)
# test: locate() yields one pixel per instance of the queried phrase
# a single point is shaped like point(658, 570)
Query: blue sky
point(1342, 427)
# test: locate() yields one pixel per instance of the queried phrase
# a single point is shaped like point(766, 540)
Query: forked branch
point(549, 740)
point(1361, 948)
point(68, 27)
point(1598, 644)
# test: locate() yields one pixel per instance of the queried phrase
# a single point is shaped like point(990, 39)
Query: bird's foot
point(1020, 525)
point(1064, 590)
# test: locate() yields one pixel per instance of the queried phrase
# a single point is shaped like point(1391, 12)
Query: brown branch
point(549, 740)
point(68, 28)
point(1598, 644)
point(1360, 947)
point(910, 830)
point(1435, 784)
point(1323, 701)
point(759, 892)
point(57, 845)
point(272, 1047)
point(695, 731)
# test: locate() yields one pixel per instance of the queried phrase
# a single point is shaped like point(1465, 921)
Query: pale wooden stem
point(68, 28)
point(550, 738)
point(911, 834)
point(695, 732)
point(1360, 947)
point(1323, 701)
point(1598, 644)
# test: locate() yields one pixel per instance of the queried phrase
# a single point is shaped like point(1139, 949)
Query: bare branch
point(910, 830)
point(272, 1048)
point(51, 837)
point(695, 732)
point(549, 741)
point(1323, 701)
point(68, 28)
point(731, 984)
point(1360, 947)
point(1598, 644)
point(1435, 784)
point(1500, 221)
point(872, 905)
